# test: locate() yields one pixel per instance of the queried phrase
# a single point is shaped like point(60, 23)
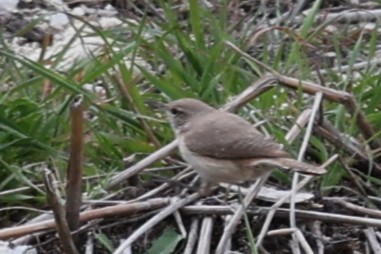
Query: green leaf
point(375, 119)
point(196, 21)
point(57, 78)
point(309, 20)
point(105, 241)
point(166, 243)
point(333, 176)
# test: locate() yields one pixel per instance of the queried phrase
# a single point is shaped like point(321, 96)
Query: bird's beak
point(163, 107)
point(157, 105)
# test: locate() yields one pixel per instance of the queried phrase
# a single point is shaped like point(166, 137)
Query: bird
point(223, 147)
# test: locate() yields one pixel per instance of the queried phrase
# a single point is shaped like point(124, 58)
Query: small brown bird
point(223, 147)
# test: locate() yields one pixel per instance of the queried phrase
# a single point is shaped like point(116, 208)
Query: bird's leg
point(227, 193)
point(206, 188)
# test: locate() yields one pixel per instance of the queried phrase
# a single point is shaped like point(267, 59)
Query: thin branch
point(284, 213)
point(303, 242)
point(192, 237)
point(344, 98)
point(205, 236)
point(58, 208)
point(276, 206)
point(358, 209)
point(233, 222)
point(316, 231)
point(105, 212)
point(372, 239)
point(303, 148)
point(174, 206)
point(74, 172)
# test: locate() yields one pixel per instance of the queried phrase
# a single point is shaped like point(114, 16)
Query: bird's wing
point(229, 137)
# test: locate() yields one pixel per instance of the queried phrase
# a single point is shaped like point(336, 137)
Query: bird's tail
point(292, 164)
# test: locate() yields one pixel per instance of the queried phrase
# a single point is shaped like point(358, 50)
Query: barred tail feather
point(292, 164)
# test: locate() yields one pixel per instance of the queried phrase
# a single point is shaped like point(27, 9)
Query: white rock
point(109, 22)
point(22, 249)
point(370, 26)
point(8, 5)
point(78, 11)
point(109, 7)
point(58, 20)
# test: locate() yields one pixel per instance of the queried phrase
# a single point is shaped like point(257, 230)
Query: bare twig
point(284, 213)
point(281, 232)
point(229, 240)
point(205, 236)
point(328, 131)
point(354, 178)
point(124, 209)
point(74, 172)
point(257, 88)
point(192, 237)
point(180, 224)
point(344, 98)
point(276, 206)
point(299, 124)
point(153, 157)
point(174, 206)
point(303, 242)
point(372, 239)
point(356, 66)
point(316, 230)
point(233, 222)
point(346, 16)
point(181, 175)
point(303, 148)
point(358, 209)
point(58, 208)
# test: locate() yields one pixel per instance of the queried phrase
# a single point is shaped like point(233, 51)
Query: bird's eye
point(175, 111)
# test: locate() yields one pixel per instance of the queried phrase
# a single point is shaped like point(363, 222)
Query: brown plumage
point(233, 138)
point(223, 147)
